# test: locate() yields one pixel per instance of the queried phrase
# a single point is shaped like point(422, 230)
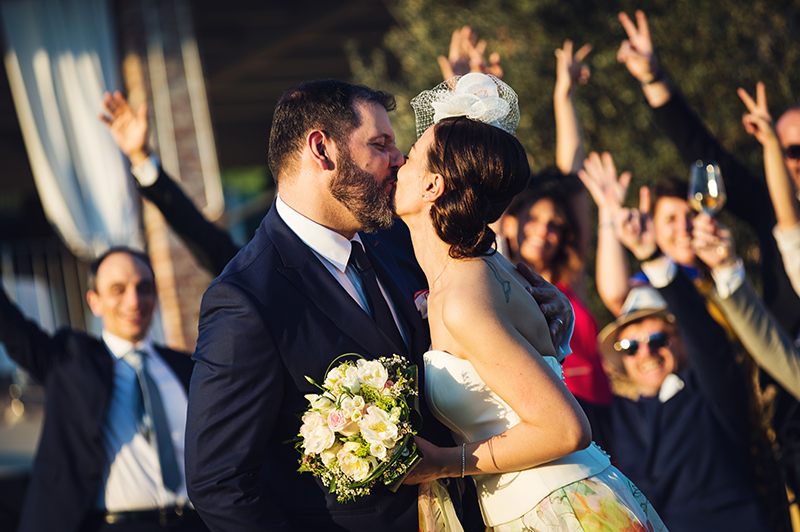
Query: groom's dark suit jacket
point(78, 374)
point(274, 316)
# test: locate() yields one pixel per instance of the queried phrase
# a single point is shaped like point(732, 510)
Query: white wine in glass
point(706, 189)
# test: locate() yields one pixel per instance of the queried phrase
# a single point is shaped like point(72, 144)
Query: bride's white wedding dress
point(568, 494)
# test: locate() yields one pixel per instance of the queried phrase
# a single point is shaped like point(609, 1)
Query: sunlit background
point(211, 73)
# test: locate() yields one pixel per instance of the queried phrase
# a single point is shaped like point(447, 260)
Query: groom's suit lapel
point(302, 268)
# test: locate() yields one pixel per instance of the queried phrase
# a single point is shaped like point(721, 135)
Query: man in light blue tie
point(111, 453)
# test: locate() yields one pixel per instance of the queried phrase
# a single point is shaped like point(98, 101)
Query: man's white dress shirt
point(133, 479)
point(333, 250)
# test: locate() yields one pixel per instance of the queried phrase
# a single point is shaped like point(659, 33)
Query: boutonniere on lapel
point(421, 301)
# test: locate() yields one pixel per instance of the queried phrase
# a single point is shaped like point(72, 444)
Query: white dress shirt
point(133, 479)
point(146, 172)
point(333, 250)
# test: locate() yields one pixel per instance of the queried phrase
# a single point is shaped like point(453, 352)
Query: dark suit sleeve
point(710, 355)
point(694, 141)
point(748, 200)
point(211, 246)
point(26, 343)
point(235, 393)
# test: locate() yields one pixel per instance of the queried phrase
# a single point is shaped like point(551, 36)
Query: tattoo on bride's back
point(505, 284)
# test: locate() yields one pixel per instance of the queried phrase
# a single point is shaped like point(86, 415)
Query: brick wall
point(160, 66)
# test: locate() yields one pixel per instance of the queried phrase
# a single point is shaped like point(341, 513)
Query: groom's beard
point(367, 199)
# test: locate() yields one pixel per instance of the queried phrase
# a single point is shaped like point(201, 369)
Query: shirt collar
point(672, 385)
point(329, 244)
point(120, 347)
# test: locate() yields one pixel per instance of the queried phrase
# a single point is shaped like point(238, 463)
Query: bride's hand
point(437, 462)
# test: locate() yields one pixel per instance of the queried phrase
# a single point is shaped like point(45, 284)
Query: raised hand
point(570, 69)
point(599, 176)
point(782, 191)
point(128, 128)
point(636, 52)
point(757, 121)
point(712, 242)
point(467, 54)
point(634, 228)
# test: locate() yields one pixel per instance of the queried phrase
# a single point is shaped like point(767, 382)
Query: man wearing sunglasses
point(681, 434)
point(788, 129)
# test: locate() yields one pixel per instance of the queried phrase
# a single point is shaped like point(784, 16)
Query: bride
point(493, 376)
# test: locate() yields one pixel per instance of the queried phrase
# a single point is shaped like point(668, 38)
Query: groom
point(288, 304)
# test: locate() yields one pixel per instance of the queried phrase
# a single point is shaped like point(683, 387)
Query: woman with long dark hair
point(492, 374)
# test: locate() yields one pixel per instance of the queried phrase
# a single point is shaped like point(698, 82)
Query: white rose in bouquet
point(333, 377)
point(372, 372)
point(378, 450)
point(356, 468)
point(376, 427)
point(317, 436)
point(351, 380)
point(321, 403)
point(328, 456)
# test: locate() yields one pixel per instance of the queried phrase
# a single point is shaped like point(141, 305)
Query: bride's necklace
point(446, 263)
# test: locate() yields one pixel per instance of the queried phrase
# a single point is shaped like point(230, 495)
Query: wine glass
point(706, 189)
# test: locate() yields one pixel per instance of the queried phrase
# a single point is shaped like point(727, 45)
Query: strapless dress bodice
point(460, 399)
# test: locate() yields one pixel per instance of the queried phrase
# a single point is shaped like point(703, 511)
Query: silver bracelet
point(463, 458)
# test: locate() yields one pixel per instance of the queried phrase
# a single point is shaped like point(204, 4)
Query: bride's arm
point(481, 325)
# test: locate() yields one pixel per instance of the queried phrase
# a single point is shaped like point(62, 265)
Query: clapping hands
point(633, 227)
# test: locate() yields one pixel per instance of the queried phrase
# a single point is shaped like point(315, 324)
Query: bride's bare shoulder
point(488, 293)
point(479, 284)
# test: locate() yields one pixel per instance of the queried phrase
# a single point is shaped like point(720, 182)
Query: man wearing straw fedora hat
point(681, 434)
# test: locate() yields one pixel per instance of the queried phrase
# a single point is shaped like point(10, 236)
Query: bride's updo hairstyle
point(483, 167)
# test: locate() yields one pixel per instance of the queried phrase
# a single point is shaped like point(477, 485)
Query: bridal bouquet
point(359, 430)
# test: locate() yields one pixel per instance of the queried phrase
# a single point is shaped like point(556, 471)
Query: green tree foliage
point(707, 48)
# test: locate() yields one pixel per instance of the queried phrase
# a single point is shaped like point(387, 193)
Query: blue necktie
point(154, 420)
point(379, 308)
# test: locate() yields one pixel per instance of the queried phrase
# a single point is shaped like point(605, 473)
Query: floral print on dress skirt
point(607, 501)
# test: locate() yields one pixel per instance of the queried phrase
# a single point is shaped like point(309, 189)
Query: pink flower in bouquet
point(338, 422)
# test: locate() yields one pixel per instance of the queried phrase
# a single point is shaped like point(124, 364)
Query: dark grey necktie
point(379, 308)
point(154, 420)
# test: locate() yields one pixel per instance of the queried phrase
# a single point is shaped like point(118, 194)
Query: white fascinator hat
point(481, 97)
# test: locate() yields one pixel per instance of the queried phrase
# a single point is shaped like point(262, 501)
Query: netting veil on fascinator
point(477, 96)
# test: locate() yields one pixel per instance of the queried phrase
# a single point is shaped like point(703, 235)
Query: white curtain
point(61, 56)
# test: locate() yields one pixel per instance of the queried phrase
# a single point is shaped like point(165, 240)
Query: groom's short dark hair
point(324, 104)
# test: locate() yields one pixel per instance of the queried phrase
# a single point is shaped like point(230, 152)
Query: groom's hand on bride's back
point(554, 304)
